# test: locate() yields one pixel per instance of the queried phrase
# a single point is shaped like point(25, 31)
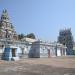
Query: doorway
point(13, 52)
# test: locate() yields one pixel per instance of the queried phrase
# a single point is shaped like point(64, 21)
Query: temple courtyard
point(39, 66)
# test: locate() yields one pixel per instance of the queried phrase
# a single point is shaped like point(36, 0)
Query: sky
point(44, 18)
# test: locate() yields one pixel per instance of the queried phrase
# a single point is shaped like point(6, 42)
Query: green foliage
point(20, 36)
point(31, 35)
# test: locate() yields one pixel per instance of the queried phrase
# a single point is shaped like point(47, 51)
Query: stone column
point(48, 53)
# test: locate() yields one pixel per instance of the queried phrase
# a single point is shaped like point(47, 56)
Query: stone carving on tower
point(6, 28)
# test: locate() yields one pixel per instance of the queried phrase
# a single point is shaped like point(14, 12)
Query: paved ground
point(42, 66)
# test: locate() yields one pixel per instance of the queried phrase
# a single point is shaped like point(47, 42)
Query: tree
point(20, 36)
point(66, 38)
point(31, 35)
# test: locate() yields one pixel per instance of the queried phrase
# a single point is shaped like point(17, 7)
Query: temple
point(65, 37)
point(6, 28)
point(11, 48)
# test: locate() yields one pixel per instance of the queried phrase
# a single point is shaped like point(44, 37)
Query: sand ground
point(39, 66)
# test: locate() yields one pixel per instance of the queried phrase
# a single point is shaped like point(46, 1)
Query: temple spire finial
point(4, 15)
point(5, 11)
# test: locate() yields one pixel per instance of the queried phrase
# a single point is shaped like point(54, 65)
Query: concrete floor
point(39, 66)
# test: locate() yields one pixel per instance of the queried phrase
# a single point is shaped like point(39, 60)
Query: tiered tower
point(6, 28)
point(66, 38)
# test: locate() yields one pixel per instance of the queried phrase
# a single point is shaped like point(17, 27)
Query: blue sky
point(42, 17)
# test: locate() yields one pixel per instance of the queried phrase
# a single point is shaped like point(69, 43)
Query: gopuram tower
point(6, 28)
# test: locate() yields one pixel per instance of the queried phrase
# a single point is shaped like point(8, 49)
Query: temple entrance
point(58, 52)
point(13, 52)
